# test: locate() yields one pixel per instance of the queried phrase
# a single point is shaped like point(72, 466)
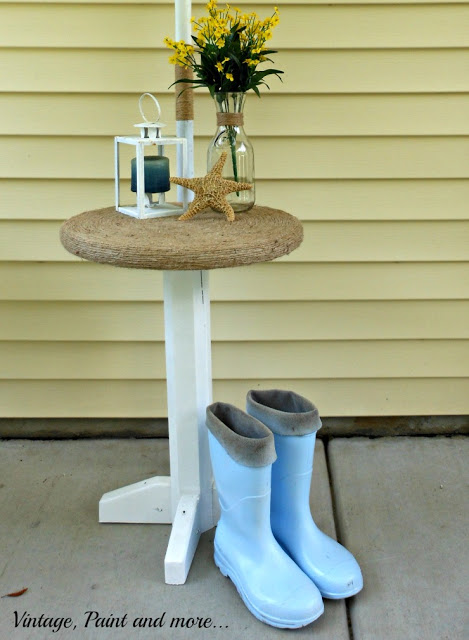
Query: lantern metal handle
point(141, 108)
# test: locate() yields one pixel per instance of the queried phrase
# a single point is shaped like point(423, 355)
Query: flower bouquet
point(230, 46)
point(227, 55)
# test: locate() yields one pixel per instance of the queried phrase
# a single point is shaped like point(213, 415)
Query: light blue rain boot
point(270, 584)
point(294, 421)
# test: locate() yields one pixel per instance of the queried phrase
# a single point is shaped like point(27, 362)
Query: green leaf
point(187, 80)
point(268, 72)
point(234, 58)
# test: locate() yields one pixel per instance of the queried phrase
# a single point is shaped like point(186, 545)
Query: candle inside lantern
point(156, 171)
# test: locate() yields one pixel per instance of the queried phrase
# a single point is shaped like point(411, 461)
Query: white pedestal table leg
point(185, 498)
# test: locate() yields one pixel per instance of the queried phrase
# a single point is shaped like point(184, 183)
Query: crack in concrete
point(337, 528)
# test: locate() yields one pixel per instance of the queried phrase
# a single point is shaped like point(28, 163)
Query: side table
point(184, 251)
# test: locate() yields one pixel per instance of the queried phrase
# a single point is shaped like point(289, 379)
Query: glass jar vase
point(231, 137)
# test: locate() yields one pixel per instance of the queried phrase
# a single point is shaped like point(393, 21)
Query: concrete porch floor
point(400, 505)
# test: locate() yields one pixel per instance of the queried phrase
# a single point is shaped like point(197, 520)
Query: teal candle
point(156, 171)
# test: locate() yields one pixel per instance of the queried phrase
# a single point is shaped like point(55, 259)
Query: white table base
point(187, 498)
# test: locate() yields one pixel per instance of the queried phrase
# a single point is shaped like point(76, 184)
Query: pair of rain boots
point(266, 540)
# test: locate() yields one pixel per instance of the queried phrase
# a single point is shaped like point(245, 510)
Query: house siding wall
point(366, 141)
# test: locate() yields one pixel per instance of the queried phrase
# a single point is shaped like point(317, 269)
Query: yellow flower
point(170, 43)
point(219, 66)
point(229, 76)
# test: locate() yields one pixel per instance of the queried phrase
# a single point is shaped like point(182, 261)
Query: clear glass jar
point(231, 137)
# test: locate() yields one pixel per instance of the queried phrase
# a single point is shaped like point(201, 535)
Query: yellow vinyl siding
point(366, 141)
point(276, 360)
point(264, 282)
point(322, 157)
point(301, 115)
point(307, 26)
point(363, 199)
point(339, 320)
point(338, 397)
point(241, 3)
point(337, 241)
point(328, 71)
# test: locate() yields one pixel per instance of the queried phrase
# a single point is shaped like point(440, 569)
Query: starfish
point(211, 191)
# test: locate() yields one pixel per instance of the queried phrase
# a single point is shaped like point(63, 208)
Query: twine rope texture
point(184, 95)
point(206, 242)
point(230, 119)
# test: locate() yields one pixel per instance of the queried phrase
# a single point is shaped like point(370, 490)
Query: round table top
point(207, 241)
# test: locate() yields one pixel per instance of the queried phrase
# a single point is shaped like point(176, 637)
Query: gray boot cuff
point(286, 413)
point(244, 438)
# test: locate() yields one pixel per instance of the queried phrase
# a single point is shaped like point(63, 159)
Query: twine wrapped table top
point(205, 242)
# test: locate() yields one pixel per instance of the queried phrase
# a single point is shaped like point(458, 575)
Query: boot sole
point(227, 571)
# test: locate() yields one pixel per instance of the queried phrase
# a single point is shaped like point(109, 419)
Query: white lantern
point(150, 173)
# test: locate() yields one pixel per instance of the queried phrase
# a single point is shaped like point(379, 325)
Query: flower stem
point(232, 138)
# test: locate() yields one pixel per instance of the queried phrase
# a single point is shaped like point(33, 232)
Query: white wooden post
point(184, 128)
point(188, 370)
point(187, 498)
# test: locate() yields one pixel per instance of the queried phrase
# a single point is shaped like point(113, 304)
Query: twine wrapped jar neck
point(230, 119)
